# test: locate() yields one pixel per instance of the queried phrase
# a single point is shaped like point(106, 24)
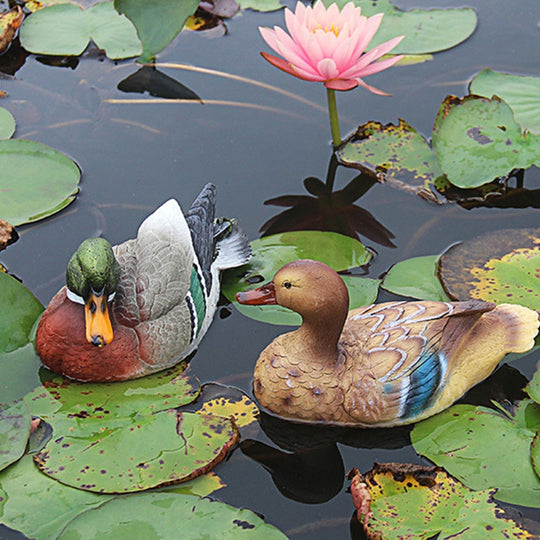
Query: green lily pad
point(261, 5)
point(416, 278)
point(14, 431)
point(19, 311)
point(411, 501)
point(394, 154)
point(135, 453)
point(461, 439)
point(37, 505)
point(157, 392)
point(533, 388)
point(477, 140)
point(157, 21)
point(425, 31)
point(535, 453)
point(7, 124)
point(499, 266)
point(36, 181)
point(66, 30)
point(521, 93)
point(272, 252)
point(154, 516)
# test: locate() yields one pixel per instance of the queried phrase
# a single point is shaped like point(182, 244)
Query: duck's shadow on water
point(306, 464)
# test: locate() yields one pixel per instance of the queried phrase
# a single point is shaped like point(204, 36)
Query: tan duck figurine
point(144, 305)
point(381, 365)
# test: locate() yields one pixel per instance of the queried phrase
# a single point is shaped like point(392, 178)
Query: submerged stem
point(334, 120)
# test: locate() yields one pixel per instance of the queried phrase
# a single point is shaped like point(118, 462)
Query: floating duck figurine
point(144, 305)
point(381, 365)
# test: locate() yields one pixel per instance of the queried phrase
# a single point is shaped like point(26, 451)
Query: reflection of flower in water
point(327, 210)
point(328, 45)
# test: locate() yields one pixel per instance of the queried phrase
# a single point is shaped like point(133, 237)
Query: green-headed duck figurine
point(144, 305)
point(381, 365)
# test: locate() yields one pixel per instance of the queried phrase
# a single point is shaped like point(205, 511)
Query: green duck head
point(92, 276)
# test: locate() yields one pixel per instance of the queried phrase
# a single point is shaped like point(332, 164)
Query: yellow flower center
point(334, 29)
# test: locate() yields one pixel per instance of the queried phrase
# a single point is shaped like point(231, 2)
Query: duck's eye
point(93, 307)
point(287, 284)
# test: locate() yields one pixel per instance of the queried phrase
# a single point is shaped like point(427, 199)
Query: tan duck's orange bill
point(99, 330)
point(261, 296)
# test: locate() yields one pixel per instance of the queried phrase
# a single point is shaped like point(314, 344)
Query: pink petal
point(369, 30)
point(341, 84)
point(286, 67)
point(372, 88)
point(380, 66)
point(342, 54)
point(327, 68)
point(269, 36)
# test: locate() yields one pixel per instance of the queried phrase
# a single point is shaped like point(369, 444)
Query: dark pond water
point(135, 156)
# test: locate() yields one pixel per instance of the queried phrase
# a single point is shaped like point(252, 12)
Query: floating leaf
point(535, 453)
point(521, 93)
point(37, 505)
point(261, 5)
point(498, 266)
point(461, 439)
point(66, 30)
point(154, 516)
point(157, 392)
point(394, 154)
point(417, 278)
point(533, 388)
point(36, 181)
point(19, 310)
point(272, 252)
point(202, 485)
point(157, 21)
point(243, 410)
point(7, 124)
point(477, 140)
point(412, 501)
point(135, 453)
point(425, 31)
point(14, 431)
point(9, 23)
point(8, 234)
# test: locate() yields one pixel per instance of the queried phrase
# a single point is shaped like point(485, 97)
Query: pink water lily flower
point(328, 45)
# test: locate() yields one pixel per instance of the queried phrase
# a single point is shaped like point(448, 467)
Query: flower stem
point(334, 120)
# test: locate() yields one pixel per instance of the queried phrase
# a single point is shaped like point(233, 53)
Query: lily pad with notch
point(14, 431)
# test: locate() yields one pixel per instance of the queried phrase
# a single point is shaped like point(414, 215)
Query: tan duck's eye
point(287, 284)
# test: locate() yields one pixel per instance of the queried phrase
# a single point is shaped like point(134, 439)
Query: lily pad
point(477, 140)
point(410, 501)
point(18, 362)
point(7, 124)
point(533, 388)
point(243, 410)
point(498, 266)
point(135, 453)
point(36, 181)
point(157, 21)
point(521, 93)
point(390, 153)
point(14, 431)
point(9, 23)
point(66, 30)
point(261, 5)
point(425, 31)
point(154, 516)
point(38, 506)
point(416, 278)
point(272, 252)
point(461, 440)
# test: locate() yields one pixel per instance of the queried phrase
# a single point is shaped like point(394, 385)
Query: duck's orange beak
point(99, 330)
point(264, 295)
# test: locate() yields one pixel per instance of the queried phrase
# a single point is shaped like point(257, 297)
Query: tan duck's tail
point(521, 326)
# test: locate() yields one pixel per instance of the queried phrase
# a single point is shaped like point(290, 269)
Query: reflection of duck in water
point(161, 290)
point(380, 365)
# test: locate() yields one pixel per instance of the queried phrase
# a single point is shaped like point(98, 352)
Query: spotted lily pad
point(395, 154)
point(396, 501)
point(242, 409)
point(14, 431)
point(477, 140)
point(272, 252)
point(137, 452)
point(154, 516)
point(36, 181)
point(19, 310)
point(9, 23)
point(66, 29)
point(499, 266)
point(7, 124)
point(461, 439)
point(416, 278)
point(520, 92)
